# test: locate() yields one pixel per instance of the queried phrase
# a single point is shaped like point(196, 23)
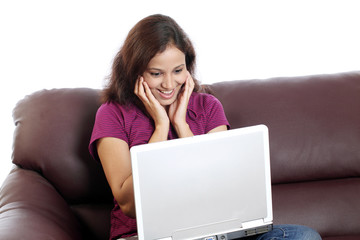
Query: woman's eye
point(155, 74)
point(178, 70)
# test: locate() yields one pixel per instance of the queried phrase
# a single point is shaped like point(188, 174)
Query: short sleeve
point(109, 122)
point(215, 114)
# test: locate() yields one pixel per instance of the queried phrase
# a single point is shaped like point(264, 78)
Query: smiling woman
point(166, 74)
point(144, 41)
point(151, 97)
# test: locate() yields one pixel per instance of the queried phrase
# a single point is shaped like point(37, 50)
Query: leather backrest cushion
point(314, 128)
point(53, 129)
point(313, 121)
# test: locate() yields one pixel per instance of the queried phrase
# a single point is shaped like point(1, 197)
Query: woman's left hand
point(178, 109)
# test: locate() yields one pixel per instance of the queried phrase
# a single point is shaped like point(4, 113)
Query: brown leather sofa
point(56, 191)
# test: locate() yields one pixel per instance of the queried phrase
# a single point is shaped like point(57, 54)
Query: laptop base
point(229, 236)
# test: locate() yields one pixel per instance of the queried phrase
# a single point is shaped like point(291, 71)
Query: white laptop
point(212, 186)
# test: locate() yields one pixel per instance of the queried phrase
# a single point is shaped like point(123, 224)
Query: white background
point(56, 44)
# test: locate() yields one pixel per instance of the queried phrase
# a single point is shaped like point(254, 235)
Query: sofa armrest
point(31, 208)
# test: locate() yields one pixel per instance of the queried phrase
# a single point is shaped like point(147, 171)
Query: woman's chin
point(166, 103)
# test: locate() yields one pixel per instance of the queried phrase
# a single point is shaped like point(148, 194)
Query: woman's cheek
point(150, 82)
point(183, 78)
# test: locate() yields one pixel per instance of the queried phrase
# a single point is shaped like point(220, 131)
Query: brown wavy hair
point(147, 38)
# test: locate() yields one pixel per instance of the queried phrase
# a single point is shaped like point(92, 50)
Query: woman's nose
point(168, 82)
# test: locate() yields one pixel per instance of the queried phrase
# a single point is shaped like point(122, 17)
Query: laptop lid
point(203, 186)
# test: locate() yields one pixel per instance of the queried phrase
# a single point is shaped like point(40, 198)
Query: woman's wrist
point(160, 133)
point(183, 130)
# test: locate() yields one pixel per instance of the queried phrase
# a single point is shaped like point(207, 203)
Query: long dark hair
point(147, 38)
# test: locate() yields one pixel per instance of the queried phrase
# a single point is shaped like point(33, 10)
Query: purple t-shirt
point(130, 124)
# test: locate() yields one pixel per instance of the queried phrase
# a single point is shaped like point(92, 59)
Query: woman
point(151, 97)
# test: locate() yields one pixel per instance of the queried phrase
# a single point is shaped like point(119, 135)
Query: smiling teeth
point(167, 92)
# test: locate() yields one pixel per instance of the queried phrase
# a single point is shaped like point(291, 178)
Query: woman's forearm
point(183, 130)
point(126, 199)
point(160, 133)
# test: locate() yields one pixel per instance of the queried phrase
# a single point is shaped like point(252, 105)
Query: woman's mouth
point(167, 94)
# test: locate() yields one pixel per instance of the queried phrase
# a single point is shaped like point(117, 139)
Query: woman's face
point(165, 74)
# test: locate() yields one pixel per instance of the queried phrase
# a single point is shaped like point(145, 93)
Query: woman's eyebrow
point(158, 69)
point(181, 65)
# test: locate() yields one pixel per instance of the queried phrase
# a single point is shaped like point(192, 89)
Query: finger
point(191, 82)
point(136, 89)
point(148, 92)
point(189, 86)
point(141, 91)
point(138, 84)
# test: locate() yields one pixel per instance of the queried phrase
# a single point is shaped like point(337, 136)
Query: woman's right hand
point(152, 105)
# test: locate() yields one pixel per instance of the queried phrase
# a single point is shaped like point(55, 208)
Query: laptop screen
point(202, 185)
